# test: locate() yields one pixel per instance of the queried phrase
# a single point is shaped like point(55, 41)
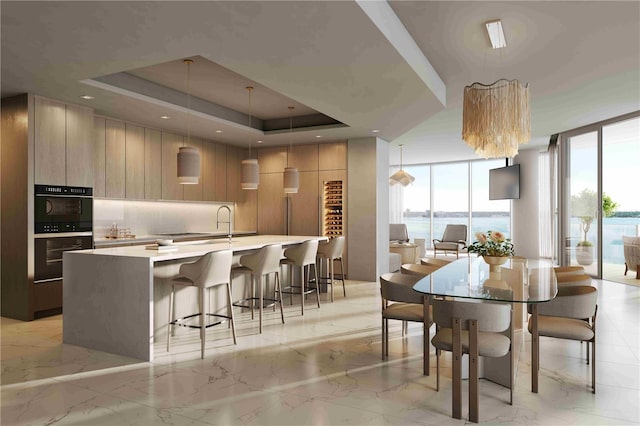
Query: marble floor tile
point(321, 368)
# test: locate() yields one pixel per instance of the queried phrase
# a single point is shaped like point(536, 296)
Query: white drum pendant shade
point(291, 180)
point(250, 174)
point(188, 166)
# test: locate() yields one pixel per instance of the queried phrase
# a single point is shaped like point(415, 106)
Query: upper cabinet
point(134, 162)
point(332, 156)
point(193, 192)
point(99, 159)
point(152, 164)
point(171, 188)
point(115, 155)
point(63, 144)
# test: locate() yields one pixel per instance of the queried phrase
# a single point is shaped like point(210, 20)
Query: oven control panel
point(63, 190)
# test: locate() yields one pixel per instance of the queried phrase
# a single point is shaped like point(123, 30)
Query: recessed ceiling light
point(259, 141)
point(87, 97)
point(496, 35)
point(318, 136)
point(375, 131)
point(165, 117)
point(218, 131)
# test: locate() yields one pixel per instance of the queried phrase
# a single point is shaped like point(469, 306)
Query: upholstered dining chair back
point(418, 270)
point(491, 317)
point(577, 302)
point(398, 232)
point(396, 287)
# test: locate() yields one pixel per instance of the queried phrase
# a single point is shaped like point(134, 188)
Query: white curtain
point(396, 200)
point(547, 203)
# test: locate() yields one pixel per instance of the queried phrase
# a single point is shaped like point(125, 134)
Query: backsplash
point(154, 217)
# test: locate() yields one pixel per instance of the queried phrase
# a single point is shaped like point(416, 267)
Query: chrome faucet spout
point(228, 222)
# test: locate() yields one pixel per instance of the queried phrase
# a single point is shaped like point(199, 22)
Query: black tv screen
point(504, 183)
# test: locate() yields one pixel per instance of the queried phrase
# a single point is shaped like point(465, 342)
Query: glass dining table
point(471, 278)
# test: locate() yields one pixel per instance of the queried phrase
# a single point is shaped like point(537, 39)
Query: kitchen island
point(112, 296)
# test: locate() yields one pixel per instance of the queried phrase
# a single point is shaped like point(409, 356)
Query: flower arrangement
point(493, 243)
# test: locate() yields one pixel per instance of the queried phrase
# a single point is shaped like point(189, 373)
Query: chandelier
point(496, 118)
point(401, 177)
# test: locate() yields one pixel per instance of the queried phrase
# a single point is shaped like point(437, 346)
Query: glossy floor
point(323, 368)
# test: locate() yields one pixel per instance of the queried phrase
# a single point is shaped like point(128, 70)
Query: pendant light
point(291, 178)
point(401, 177)
point(188, 157)
point(250, 169)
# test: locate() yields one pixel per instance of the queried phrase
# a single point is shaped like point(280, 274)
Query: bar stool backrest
point(303, 253)
point(332, 249)
point(264, 261)
point(210, 269)
point(491, 317)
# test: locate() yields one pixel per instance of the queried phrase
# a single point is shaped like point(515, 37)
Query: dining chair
point(453, 240)
point(417, 270)
point(477, 329)
point(570, 315)
point(432, 261)
point(401, 302)
point(210, 270)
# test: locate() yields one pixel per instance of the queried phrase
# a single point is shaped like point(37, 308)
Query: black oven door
point(48, 254)
point(63, 213)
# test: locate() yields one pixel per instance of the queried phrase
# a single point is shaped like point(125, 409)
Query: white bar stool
point(330, 251)
point(302, 255)
point(211, 270)
point(264, 262)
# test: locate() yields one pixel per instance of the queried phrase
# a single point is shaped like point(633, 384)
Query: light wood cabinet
point(193, 192)
point(272, 160)
point(79, 149)
point(152, 164)
point(221, 173)
point(332, 156)
point(50, 140)
point(208, 171)
point(99, 157)
point(234, 167)
point(271, 204)
point(171, 189)
point(134, 162)
point(115, 149)
point(304, 157)
point(303, 212)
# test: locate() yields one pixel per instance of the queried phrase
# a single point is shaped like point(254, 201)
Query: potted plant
point(584, 205)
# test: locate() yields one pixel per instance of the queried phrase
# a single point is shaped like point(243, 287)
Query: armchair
point(631, 255)
point(453, 240)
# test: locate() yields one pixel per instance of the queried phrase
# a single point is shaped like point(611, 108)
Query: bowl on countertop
point(164, 242)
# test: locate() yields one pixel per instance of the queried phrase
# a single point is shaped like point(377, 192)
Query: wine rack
point(332, 220)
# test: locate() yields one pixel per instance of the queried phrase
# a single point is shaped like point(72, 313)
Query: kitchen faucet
point(228, 222)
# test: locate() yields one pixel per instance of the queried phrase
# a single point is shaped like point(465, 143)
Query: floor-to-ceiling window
point(456, 193)
point(600, 195)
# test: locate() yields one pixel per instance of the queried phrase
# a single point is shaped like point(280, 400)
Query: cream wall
point(524, 212)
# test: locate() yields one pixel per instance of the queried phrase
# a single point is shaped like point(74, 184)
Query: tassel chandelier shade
point(401, 177)
point(291, 177)
point(250, 169)
point(496, 118)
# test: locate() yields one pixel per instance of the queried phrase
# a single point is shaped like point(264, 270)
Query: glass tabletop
point(470, 278)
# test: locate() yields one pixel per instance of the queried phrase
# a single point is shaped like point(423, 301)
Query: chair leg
point(302, 289)
point(232, 321)
point(593, 365)
point(437, 370)
point(169, 325)
point(260, 299)
point(315, 271)
point(384, 339)
point(279, 286)
point(587, 352)
point(291, 272)
point(473, 371)
point(456, 402)
point(203, 319)
point(344, 289)
point(253, 293)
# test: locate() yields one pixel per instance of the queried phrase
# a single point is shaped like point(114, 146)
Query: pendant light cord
point(250, 89)
point(290, 133)
point(188, 62)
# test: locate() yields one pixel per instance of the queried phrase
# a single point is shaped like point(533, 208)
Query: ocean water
point(613, 230)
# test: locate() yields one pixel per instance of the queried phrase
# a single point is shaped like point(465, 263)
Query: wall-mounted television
point(504, 183)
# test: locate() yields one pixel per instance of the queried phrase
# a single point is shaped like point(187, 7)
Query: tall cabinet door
point(171, 189)
point(193, 192)
point(115, 148)
point(208, 172)
point(271, 204)
point(99, 156)
point(152, 164)
point(50, 135)
point(221, 173)
point(79, 150)
point(303, 211)
point(134, 165)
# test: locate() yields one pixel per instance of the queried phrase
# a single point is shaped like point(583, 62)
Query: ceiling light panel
point(496, 35)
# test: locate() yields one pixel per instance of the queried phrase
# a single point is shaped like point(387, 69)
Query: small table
point(407, 251)
point(470, 278)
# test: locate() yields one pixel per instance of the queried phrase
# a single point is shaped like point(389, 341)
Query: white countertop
point(100, 242)
point(197, 248)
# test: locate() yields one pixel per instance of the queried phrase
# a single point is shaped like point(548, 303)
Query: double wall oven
point(63, 222)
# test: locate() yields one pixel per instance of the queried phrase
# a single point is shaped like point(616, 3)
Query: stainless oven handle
point(47, 281)
point(64, 234)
